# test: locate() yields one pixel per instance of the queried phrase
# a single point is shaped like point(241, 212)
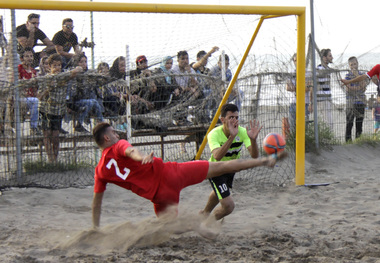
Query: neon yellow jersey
point(216, 138)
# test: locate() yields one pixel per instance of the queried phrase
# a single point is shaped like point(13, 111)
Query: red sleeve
point(374, 71)
point(120, 147)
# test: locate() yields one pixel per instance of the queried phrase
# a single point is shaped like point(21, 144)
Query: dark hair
point(182, 53)
point(226, 58)
point(114, 70)
point(140, 59)
point(325, 52)
point(352, 58)
point(99, 131)
point(201, 54)
point(67, 20)
point(54, 57)
point(78, 58)
point(27, 49)
point(228, 107)
point(33, 15)
point(102, 64)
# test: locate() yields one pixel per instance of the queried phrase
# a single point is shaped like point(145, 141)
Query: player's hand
point(147, 159)
point(254, 129)
point(233, 127)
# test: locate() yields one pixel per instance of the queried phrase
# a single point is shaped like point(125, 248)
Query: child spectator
point(376, 114)
point(43, 67)
point(85, 96)
point(53, 104)
point(355, 100)
point(26, 71)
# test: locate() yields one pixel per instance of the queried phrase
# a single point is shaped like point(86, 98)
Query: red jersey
point(114, 167)
point(374, 71)
point(24, 74)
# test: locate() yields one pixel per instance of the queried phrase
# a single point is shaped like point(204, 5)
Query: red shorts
point(175, 177)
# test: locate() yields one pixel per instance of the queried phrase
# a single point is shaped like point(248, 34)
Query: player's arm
point(220, 152)
point(96, 209)
point(137, 156)
point(253, 131)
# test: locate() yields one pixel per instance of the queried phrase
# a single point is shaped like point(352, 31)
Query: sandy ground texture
point(339, 222)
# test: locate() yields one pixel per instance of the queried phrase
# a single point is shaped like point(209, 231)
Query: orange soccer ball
point(274, 143)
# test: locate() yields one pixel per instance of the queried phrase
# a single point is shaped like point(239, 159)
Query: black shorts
point(222, 184)
point(51, 122)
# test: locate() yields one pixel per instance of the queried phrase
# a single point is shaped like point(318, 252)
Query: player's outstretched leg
point(234, 166)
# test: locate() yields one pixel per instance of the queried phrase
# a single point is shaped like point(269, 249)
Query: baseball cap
point(141, 58)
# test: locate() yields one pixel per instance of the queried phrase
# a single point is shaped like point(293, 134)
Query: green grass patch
point(325, 135)
point(367, 139)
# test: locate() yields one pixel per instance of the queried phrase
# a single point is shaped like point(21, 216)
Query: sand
point(339, 222)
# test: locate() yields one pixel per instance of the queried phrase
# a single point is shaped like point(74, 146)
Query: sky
point(344, 26)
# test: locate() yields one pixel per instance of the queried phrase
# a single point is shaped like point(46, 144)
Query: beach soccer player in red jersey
point(150, 177)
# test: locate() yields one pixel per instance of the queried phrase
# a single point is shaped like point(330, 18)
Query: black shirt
point(22, 31)
point(67, 43)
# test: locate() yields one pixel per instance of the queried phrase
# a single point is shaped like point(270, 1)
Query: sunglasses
point(69, 27)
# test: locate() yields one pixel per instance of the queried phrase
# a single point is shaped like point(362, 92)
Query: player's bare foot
point(271, 160)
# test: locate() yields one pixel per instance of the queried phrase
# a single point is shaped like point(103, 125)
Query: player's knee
point(228, 207)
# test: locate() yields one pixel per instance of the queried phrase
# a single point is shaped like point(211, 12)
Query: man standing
point(151, 178)
point(226, 142)
point(66, 39)
point(185, 76)
point(355, 100)
point(27, 36)
point(323, 93)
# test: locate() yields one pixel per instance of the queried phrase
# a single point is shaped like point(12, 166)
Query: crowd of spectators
point(57, 85)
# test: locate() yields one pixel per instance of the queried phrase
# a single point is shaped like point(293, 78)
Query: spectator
point(323, 92)
point(355, 100)
point(86, 97)
point(115, 93)
point(187, 82)
point(66, 39)
point(26, 71)
point(52, 96)
point(103, 68)
point(373, 74)
point(202, 59)
point(143, 87)
point(167, 87)
point(216, 72)
point(43, 67)
point(27, 36)
point(376, 114)
point(291, 87)
point(201, 69)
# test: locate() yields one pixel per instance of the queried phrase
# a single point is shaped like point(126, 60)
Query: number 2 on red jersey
point(118, 173)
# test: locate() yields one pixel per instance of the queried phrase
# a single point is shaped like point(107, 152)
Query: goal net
point(154, 89)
